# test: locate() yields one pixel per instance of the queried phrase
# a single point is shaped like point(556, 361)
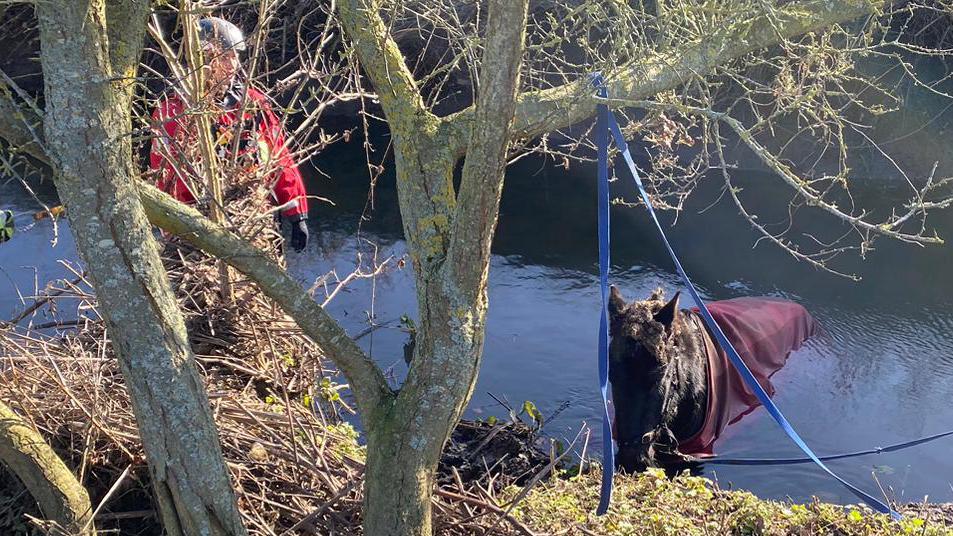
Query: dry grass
point(296, 465)
point(276, 404)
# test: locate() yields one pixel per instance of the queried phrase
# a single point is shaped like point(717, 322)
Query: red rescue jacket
point(261, 132)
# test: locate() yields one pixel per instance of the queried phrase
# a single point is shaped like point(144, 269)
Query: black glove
point(299, 232)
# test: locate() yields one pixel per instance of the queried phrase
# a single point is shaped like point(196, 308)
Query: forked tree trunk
point(87, 126)
point(450, 234)
point(404, 443)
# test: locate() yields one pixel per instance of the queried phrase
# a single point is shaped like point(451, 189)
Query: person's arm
point(164, 149)
point(288, 187)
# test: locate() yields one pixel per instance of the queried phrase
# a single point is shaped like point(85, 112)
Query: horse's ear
point(616, 302)
point(668, 315)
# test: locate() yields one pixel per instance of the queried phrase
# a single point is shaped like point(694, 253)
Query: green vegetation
point(651, 504)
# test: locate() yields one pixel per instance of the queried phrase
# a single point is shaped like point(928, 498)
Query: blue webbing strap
point(608, 452)
point(605, 117)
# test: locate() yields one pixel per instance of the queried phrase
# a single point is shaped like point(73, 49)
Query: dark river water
point(883, 373)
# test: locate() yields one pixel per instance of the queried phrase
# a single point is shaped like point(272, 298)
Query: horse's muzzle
point(635, 457)
point(657, 448)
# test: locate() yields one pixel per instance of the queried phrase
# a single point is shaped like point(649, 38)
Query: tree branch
point(60, 496)
point(423, 162)
point(382, 60)
point(365, 377)
point(21, 127)
point(813, 197)
point(126, 28)
point(542, 111)
point(481, 184)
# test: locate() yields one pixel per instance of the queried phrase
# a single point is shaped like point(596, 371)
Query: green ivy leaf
point(530, 409)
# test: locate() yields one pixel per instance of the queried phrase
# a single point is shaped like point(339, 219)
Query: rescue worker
point(262, 140)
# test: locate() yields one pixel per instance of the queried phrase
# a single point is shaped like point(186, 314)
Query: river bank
point(298, 465)
point(317, 476)
point(306, 478)
point(651, 503)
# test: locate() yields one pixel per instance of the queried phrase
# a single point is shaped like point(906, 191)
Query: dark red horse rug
point(673, 387)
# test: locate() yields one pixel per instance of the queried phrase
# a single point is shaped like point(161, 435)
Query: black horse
point(672, 386)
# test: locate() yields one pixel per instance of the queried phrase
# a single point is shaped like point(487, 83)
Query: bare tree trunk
point(399, 479)
point(87, 127)
point(60, 496)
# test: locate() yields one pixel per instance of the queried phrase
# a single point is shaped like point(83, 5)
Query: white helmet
point(222, 33)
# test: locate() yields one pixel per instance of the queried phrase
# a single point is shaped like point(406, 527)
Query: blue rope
point(607, 118)
point(608, 452)
point(718, 460)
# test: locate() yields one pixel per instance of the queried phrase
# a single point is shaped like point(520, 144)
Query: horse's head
point(643, 345)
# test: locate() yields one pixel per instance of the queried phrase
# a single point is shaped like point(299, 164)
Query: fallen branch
point(59, 495)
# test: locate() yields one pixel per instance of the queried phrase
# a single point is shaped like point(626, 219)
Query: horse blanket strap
point(608, 119)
